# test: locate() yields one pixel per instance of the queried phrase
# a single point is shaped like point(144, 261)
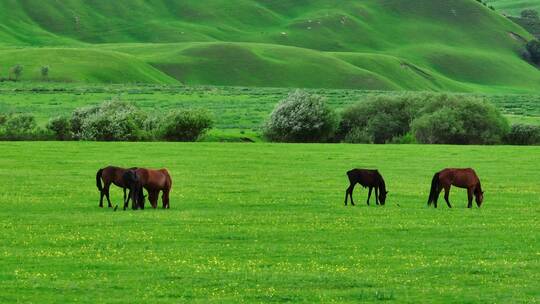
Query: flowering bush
point(301, 117)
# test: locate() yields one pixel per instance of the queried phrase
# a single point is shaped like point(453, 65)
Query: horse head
point(479, 197)
point(382, 197)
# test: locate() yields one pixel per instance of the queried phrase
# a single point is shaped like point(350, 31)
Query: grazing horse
point(155, 181)
point(110, 175)
point(133, 183)
point(461, 178)
point(368, 179)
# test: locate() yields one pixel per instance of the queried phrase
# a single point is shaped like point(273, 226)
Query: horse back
point(155, 179)
point(112, 174)
point(460, 177)
point(365, 177)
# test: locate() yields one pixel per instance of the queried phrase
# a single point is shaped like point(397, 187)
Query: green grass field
point(441, 45)
point(260, 222)
point(266, 223)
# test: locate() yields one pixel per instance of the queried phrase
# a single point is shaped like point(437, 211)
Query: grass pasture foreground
point(266, 223)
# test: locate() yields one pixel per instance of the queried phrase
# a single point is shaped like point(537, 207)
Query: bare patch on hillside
point(517, 37)
point(417, 70)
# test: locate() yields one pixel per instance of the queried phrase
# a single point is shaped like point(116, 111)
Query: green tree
point(530, 14)
point(533, 47)
point(60, 127)
point(45, 73)
point(17, 71)
point(455, 119)
point(378, 119)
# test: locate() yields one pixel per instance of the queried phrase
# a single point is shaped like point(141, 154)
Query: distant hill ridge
point(442, 45)
point(514, 7)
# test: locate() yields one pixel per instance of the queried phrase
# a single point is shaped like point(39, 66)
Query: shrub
point(185, 125)
point(406, 139)
point(3, 119)
point(20, 127)
point(151, 127)
point(521, 134)
point(358, 136)
point(533, 48)
point(45, 72)
point(78, 117)
point(60, 127)
point(441, 127)
point(459, 120)
point(529, 14)
point(110, 121)
point(301, 117)
point(17, 71)
point(378, 119)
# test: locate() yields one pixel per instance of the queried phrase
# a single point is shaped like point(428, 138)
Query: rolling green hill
point(514, 7)
point(444, 45)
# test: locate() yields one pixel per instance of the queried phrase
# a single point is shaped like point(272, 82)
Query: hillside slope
point(514, 7)
point(450, 45)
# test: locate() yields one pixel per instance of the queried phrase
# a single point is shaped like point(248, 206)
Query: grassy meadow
point(266, 223)
point(260, 222)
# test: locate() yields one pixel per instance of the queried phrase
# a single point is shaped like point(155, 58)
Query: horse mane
point(478, 188)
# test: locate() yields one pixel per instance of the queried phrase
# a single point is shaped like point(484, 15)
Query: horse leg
point(101, 194)
point(349, 192)
point(153, 197)
point(447, 195)
point(106, 189)
point(469, 197)
point(126, 202)
point(104, 192)
point(377, 195)
point(369, 195)
point(165, 199)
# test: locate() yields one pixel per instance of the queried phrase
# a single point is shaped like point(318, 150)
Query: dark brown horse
point(132, 181)
point(155, 181)
point(368, 179)
point(461, 178)
point(110, 175)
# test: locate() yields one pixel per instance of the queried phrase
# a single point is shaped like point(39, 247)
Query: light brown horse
point(155, 181)
point(461, 178)
point(111, 175)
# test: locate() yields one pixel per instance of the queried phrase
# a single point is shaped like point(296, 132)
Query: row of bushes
point(301, 117)
point(110, 121)
point(419, 118)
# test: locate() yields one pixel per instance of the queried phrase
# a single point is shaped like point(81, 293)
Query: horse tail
point(98, 180)
point(168, 178)
point(434, 189)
